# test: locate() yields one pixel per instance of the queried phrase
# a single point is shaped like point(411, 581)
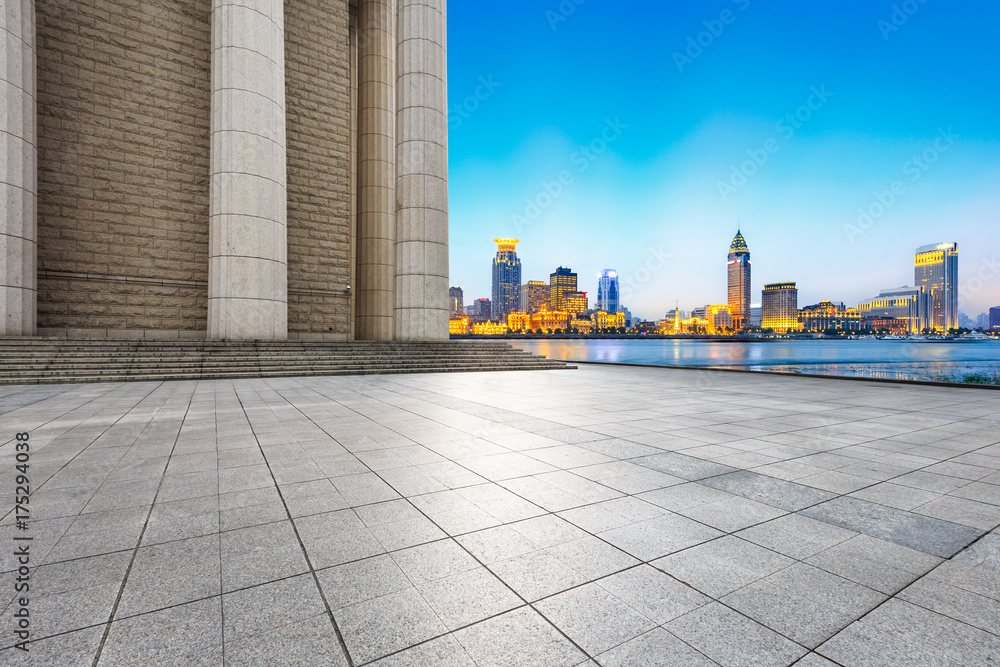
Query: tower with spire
point(739, 281)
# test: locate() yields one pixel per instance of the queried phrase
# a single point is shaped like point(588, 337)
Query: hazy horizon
point(821, 114)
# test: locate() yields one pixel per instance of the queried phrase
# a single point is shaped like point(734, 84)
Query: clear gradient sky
point(533, 83)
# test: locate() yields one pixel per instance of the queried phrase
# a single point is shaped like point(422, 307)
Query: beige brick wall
point(317, 97)
point(123, 120)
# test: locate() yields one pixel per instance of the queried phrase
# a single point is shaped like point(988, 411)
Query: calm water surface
point(898, 359)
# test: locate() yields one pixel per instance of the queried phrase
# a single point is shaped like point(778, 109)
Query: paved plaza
point(602, 516)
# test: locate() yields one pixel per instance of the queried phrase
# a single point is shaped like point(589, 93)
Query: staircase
point(37, 360)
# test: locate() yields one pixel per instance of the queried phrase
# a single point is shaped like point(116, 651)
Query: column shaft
point(18, 170)
point(376, 169)
point(247, 271)
point(422, 163)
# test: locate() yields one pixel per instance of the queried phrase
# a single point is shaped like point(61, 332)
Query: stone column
point(247, 270)
point(422, 163)
point(18, 170)
point(376, 169)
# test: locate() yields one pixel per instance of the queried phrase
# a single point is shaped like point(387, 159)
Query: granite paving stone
point(476, 519)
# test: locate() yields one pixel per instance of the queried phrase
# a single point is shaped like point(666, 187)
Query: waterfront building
point(575, 302)
point(534, 296)
point(482, 310)
point(546, 319)
point(780, 304)
point(518, 321)
point(827, 315)
point(890, 325)
point(738, 273)
point(561, 281)
point(606, 320)
point(608, 291)
point(995, 318)
point(506, 280)
point(935, 268)
point(756, 315)
point(910, 304)
point(719, 318)
point(259, 170)
point(458, 325)
point(489, 328)
point(582, 325)
point(455, 296)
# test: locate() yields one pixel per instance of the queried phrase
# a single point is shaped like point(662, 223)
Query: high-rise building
point(739, 281)
point(756, 314)
point(455, 296)
point(506, 280)
point(909, 304)
point(575, 302)
point(780, 307)
point(995, 318)
point(607, 292)
point(481, 311)
point(534, 296)
point(935, 268)
point(560, 282)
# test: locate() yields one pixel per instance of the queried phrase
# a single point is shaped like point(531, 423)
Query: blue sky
point(634, 135)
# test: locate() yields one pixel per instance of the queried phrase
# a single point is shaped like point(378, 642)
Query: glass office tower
point(935, 268)
point(607, 292)
point(506, 280)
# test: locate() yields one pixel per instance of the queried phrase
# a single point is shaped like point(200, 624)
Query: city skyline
point(891, 144)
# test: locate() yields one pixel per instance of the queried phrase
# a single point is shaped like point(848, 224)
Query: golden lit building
point(489, 328)
point(582, 326)
point(458, 325)
point(738, 270)
point(549, 319)
point(560, 282)
point(935, 268)
point(780, 307)
point(534, 296)
point(827, 315)
point(605, 320)
point(575, 302)
point(719, 318)
point(518, 321)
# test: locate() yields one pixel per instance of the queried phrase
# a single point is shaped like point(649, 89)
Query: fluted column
point(247, 271)
point(18, 169)
point(422, 181)
point(376, 169)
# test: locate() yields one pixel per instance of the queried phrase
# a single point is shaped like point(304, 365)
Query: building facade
point(719, 319)
point(826, 316)
point(780, 307)
point(910, 304)
point(455, 298)
point(482, 310)
point(738, 271)
point(575, 302)
point(935, 268)
point(506, 280)
point(534, 296)
point(229, 170)
point(608, 291)
point(561, 281)
point(995, 318)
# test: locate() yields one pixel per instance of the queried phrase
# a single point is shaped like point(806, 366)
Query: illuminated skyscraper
point(780, 304)
point(607, 292)
point(575, 302)
point(534, 296)
point(739, 282)
point(935, 268)
point(560, 282)
point(506, 280)
point(455, 297)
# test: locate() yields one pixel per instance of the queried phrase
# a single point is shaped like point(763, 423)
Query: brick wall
point(123, 126)
point(317, 97)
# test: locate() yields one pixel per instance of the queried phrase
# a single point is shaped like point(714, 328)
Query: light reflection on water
point(898, 359)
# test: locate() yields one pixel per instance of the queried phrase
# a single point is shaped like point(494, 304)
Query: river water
point(893, 359)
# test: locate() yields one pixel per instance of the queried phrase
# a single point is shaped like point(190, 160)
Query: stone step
point(29, 361)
